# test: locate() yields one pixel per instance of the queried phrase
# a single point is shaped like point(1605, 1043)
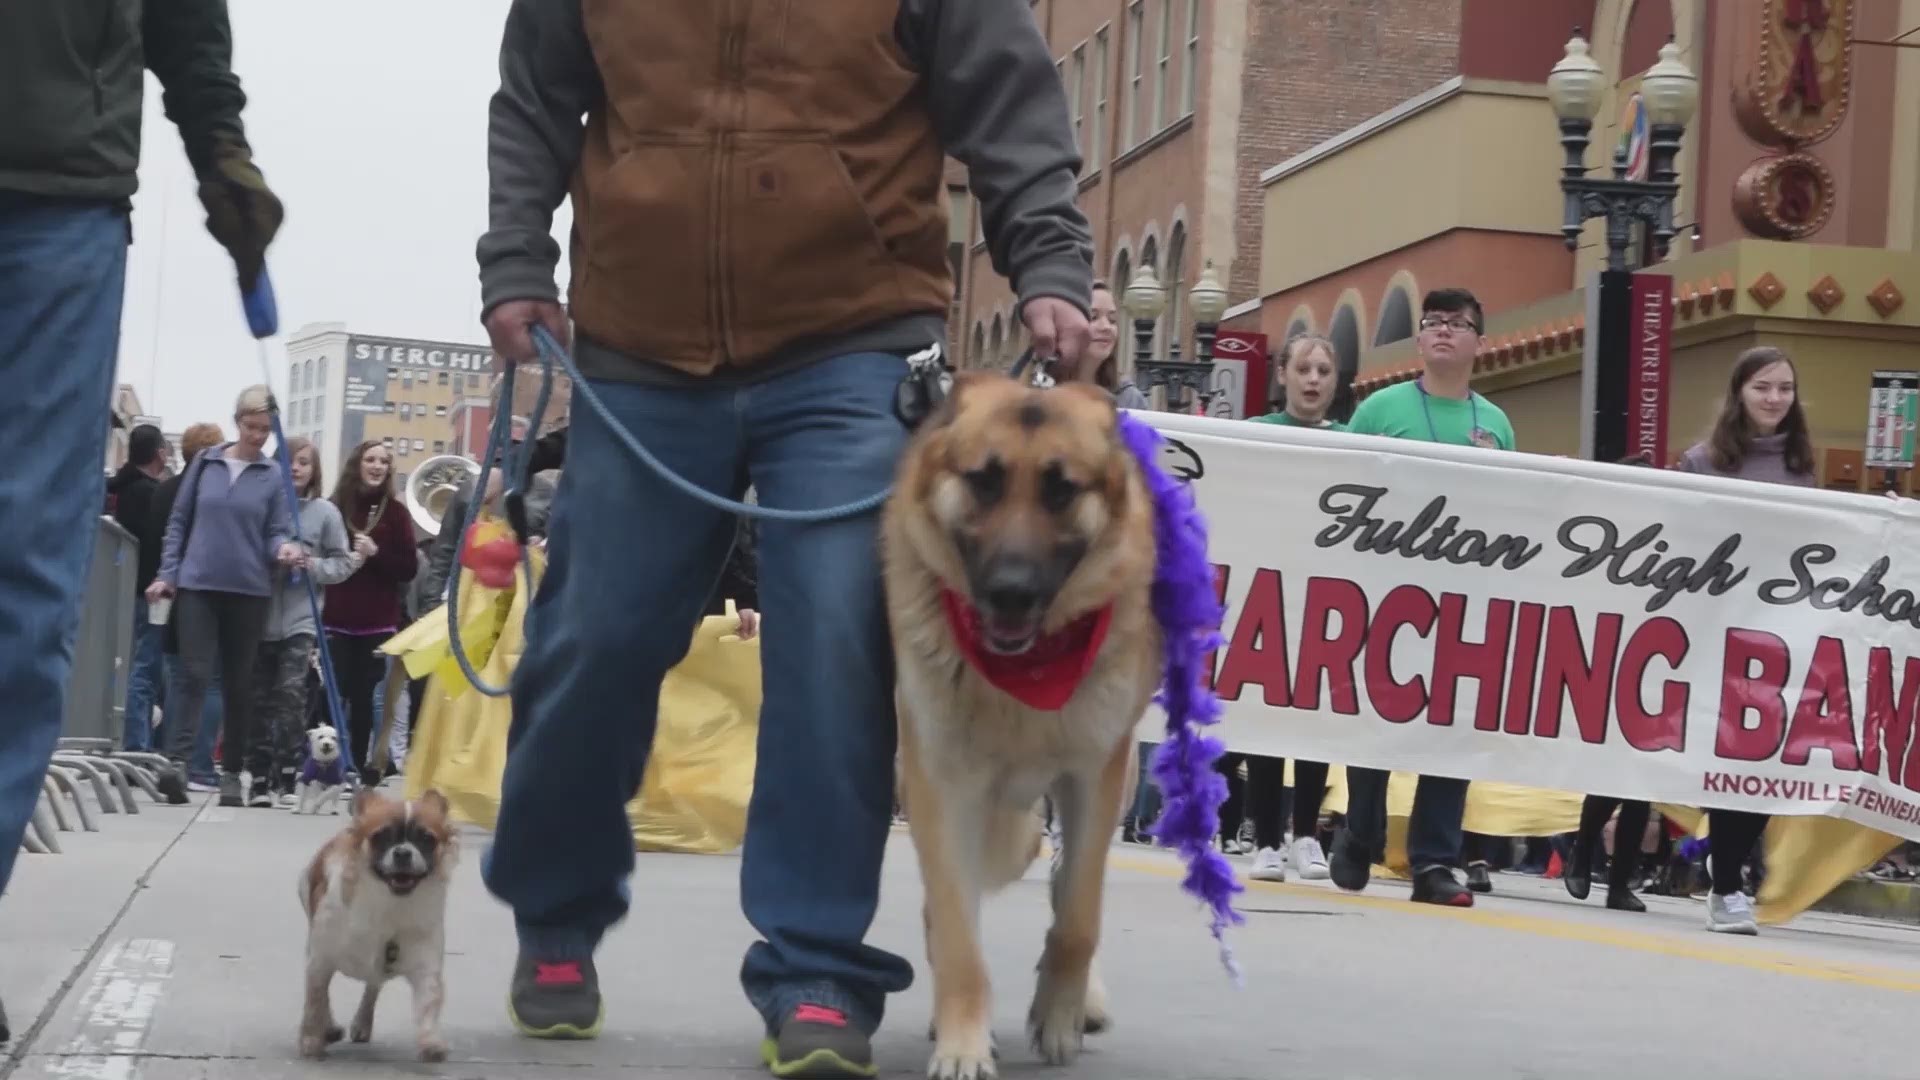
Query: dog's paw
point(433, 1048)
point(313, 1046)
point(1057, 1026)
point(1099, 1017)
point(362, 1032)
point(335, 1034)
point(968, 1059)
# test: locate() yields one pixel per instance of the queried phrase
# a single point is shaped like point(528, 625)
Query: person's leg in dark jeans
point(1309, 791)
point(1479, 849)
point(1594, 814)
point(197, 622)
point(1732, 836)
point(1434, 840)
point(1266, 784)
point(358, 666)
point(143, 679)
point(1233, 811)
point(1362, 841)
point(240, 620)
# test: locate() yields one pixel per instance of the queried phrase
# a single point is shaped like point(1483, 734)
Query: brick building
point(1798, 214)
point(1180, 106)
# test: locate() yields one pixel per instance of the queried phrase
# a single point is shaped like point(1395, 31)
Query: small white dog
point(376, 904)
point(324, 775)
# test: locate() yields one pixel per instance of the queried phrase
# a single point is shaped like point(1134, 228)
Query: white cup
point(158, 610)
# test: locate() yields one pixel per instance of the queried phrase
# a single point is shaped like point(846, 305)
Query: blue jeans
point(63, 266)
point(1434, 836)
point(212, 716)
point(144, 685)
point(632, 565)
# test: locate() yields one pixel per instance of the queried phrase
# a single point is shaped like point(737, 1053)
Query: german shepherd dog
point(1019, 555)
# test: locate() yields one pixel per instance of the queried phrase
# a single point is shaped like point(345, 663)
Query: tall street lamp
point(1185, 380)
point(1669, 92)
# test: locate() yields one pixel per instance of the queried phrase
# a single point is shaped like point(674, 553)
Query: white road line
point(116, 1012)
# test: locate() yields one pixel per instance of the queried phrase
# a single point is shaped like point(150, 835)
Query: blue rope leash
point(263, 320)
point(554, 358)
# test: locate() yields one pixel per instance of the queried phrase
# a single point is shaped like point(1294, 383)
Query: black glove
point(243, 214)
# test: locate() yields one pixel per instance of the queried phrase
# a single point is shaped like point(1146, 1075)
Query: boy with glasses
point(1439, 407)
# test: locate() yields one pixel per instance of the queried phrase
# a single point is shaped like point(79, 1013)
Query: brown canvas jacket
point(759, 182)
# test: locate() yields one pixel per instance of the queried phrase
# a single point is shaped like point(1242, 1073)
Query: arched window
point(1296, 328)
point(978, 356)
point(996, 343)
point(1344, 332)
point(1396, 318)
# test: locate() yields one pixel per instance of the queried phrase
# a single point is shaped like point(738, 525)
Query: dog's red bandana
point(1046, 675)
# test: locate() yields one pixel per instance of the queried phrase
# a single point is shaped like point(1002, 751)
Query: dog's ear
point(434, 801)
point(364, 800)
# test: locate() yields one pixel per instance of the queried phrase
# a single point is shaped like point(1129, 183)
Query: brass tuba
point(432, 486)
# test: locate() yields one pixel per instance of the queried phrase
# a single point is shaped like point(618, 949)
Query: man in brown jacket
point(759, 240)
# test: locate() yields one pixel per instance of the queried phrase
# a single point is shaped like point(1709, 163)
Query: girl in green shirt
point(1308, 377)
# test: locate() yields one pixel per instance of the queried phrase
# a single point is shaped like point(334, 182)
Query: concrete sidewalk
point(194, 971)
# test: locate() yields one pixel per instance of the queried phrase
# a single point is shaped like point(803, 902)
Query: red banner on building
point(1650, 366)
point(1239, 375)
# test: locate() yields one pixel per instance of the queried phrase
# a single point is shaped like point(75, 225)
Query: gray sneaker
point(231, 790)
point(1731, 914)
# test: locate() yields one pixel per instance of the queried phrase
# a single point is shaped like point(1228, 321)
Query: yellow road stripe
point(1722, 952)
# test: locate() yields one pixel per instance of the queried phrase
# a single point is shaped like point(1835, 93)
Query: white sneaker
point(1309, 861)
point(1268, 865)
point(1731, 914)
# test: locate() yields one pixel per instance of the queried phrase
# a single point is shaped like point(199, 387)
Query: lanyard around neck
point(1473, 404)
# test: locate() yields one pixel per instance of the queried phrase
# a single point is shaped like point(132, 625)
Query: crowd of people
point(226, 670)
point(1760, 434)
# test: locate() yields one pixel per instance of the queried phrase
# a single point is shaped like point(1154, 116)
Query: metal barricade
point(103, 653)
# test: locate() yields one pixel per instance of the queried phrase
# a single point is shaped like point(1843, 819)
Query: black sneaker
point(818, 1043)
point(261, 794)
point(1437, 885)
point(172, 784)
point(556, 999)
point(1479, 877)
point(230, 789)
point(1350, 864)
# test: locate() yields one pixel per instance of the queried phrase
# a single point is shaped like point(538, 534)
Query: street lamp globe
point(1576, 83)
point(1144, 297)
point(1671, 92)
point(1209, 298)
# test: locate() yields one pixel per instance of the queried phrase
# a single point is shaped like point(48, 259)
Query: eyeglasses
point(1458, 326)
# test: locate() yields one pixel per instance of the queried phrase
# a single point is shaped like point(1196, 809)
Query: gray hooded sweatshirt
point(330, 562)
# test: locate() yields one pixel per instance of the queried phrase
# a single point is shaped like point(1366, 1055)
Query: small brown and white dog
point(1019, 558)
point(376, 904)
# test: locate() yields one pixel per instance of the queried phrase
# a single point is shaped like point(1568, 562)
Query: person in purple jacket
point(229, 526)
point(1761, 435)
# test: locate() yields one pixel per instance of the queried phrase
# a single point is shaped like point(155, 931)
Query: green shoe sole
point(822, 1064)
point(557, 1031)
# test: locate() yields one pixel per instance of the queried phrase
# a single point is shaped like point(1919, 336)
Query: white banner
point(1559, 623)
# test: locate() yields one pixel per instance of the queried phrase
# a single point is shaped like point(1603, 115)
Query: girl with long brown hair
point(1761, 434)
point(365, 610)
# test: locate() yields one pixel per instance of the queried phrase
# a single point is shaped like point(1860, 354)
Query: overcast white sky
point(369, 118)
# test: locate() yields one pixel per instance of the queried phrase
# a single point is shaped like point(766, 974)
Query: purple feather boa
point(1190, 614)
